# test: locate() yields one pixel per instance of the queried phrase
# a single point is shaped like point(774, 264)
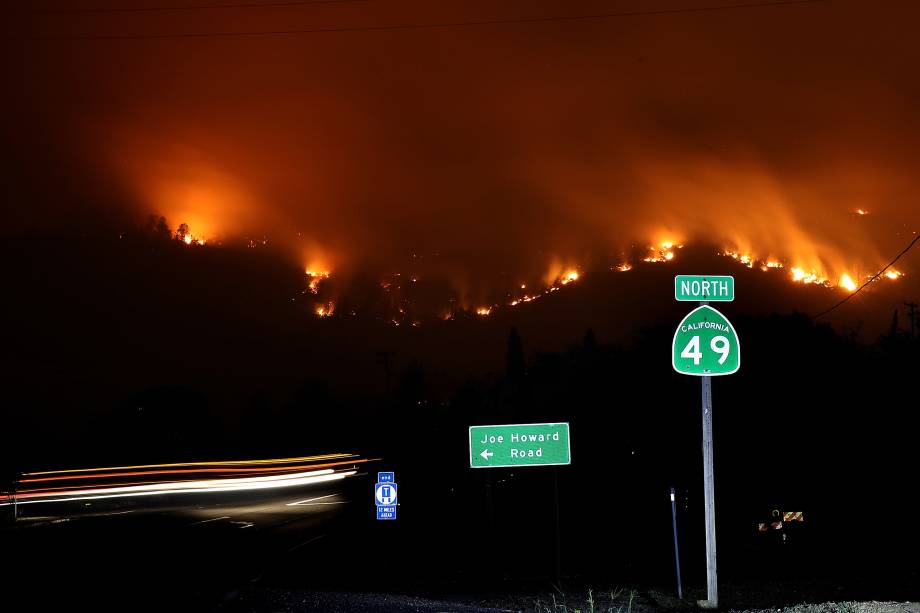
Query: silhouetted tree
point(156, 227)
point(162, 228)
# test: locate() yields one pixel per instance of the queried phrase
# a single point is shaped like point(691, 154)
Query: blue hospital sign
point(385, 495)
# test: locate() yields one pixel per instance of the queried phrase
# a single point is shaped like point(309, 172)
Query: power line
point(444, 24)
point(193, 7)
point(872, 278)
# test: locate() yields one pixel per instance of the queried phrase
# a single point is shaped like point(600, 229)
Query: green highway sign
point(519, 445)
point(705, 344)
point(694, 288)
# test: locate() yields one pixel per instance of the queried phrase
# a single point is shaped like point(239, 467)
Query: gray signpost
point(706, 345)
point(709, 497)
point(680, 587)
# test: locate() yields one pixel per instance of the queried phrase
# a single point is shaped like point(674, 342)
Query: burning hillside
point(401, 288)
point(425, 290)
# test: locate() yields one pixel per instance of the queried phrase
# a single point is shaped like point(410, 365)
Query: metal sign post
point(706, 345)
point(709, 497)
point(680, 587)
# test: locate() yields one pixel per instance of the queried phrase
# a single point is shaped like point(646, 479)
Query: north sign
point(697, 288)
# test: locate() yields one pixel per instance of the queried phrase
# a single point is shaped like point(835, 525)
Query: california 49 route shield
point(705, 344)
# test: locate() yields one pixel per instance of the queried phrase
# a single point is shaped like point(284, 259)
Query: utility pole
point(912, 314)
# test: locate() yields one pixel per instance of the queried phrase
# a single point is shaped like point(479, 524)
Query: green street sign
point(715, 288)
point(705, 344)
point(519, 445)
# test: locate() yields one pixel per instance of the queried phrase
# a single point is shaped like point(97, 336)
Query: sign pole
point(680, 587)
point(709, 494)
point(712, 592)
point(705, 345)
point(556, 519)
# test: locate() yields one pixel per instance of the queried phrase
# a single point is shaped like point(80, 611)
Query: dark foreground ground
point(259, 551)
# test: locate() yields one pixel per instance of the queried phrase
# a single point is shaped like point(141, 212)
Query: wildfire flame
point(662, 252)
point(803, 276)
point(315, 278)
point(799, 274)
point(847, 283)
point(746, 259)
point(184, 235)
point(325, 310)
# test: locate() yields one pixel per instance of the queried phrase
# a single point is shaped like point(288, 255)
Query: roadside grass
point(614, 600)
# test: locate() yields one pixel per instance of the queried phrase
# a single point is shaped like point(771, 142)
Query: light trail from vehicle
point(190, 487)
point(186, 472)
point(142, 480)
point(210, 463)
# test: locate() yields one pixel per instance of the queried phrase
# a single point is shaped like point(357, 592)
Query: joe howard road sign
point(519, 445)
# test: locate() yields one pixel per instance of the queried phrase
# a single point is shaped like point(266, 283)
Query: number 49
point(719, 344)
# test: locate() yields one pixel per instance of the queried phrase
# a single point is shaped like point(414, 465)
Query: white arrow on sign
point(486, 454)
